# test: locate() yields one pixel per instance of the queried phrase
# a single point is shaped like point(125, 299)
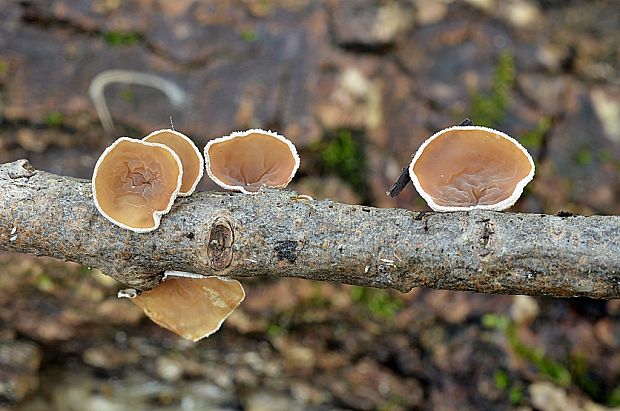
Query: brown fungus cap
point(469, 167)
point(135, 183)
point(191, 159)
point(245, 161)
point(193, 308)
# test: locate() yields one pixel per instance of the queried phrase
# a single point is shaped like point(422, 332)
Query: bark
point(282, 234)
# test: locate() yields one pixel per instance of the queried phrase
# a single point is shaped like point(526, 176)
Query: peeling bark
point(282, 234)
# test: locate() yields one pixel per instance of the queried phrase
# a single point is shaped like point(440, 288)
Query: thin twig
point(274, 234)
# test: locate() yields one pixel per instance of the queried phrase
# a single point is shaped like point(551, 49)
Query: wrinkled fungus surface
point(135, 182)
point(471, 167)
point(193, 308)
point(191, 159)
point(246, 161)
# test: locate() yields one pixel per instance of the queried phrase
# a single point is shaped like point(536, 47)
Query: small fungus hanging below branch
point(188, 305)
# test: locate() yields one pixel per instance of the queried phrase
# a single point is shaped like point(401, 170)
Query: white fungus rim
point(196, 150)
point(502, 205)
point(240, 134)
point(157, 214)
point(131, 293)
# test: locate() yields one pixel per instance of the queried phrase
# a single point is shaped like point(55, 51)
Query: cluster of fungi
point(135, 182)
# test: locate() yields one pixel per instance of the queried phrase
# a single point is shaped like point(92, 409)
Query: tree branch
point(281, 234)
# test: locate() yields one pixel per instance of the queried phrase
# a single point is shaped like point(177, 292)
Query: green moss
point(552, 369)
point(488, 110)
point(613, 400)
point(605, 155)
point(394, 403)
point(341, 153)
point(120, 39)
point(53, 119)
point(274, 330)
point(4, 67)
point(584, 157)
point(579, 369)
point(533, 139)
point(127, 95)
point(250, 36)
point(318, 300)
point(515, 395)
point(264, 6)
point(546, 366)
point(380, 303)
point(500, 379)
point(496, 321)
point(44, 283)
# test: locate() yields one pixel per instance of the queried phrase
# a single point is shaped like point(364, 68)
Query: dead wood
point(282, 234)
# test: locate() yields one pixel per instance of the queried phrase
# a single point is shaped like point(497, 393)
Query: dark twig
point(466, 122)
point(400, 184)
point(403, 179)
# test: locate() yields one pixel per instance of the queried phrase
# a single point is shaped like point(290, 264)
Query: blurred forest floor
point(357, 85)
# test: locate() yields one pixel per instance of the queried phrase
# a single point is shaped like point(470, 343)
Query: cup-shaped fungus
point(191, 159)
point(136, 182)
point(468, 167)
point(245, 161)
point(193, 308)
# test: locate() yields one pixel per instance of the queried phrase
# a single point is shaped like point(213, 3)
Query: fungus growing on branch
point(191, 159)
point(246, 161)
point(193, 308)
point(135, 182)
point(468, 167)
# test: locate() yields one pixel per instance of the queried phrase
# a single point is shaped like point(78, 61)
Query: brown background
point(357, 85)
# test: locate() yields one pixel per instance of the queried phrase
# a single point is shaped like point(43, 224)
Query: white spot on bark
point(181, 274)
point(127, 293)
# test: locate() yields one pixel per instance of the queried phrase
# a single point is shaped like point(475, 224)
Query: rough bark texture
point(282, 234)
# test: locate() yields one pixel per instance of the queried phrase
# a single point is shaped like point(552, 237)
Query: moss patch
point(342, 153)
point(120, 39)
point(489, 110)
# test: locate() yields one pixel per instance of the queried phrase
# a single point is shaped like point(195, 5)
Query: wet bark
point(282, 234)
